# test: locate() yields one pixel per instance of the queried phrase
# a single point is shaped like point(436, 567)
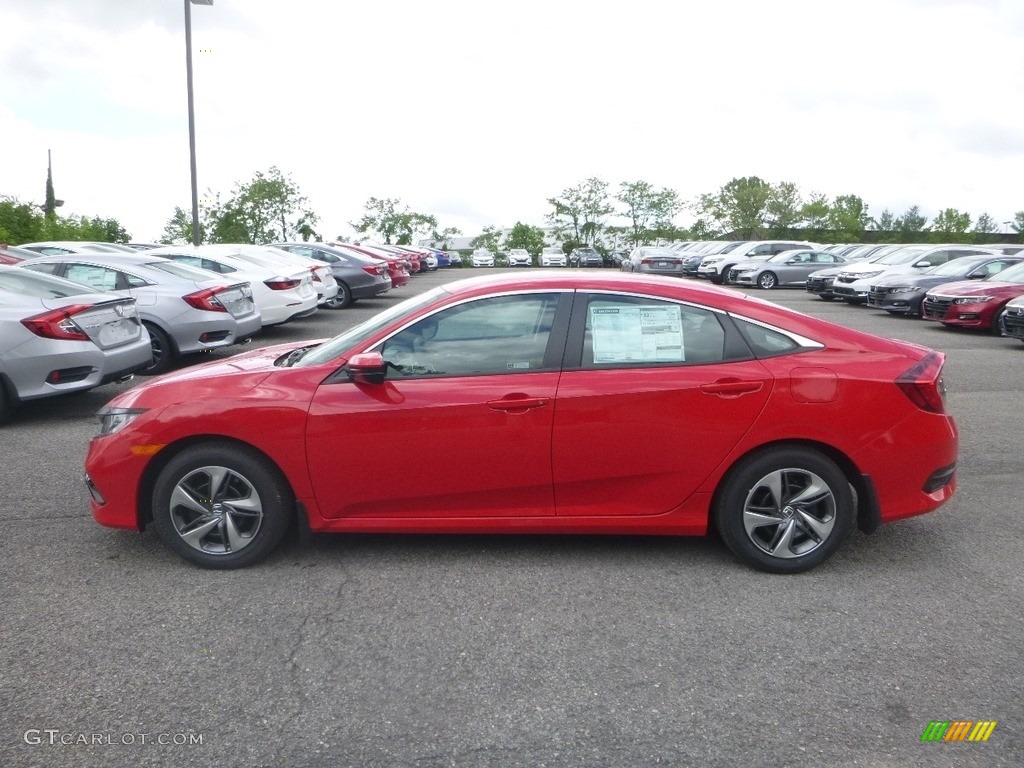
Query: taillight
point(206, 299)
point(58, 324)
point(373, 269)
point(316, 277)
point(281, 283)
point(924, 384)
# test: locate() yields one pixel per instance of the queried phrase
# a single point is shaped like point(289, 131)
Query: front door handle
point(517, 403)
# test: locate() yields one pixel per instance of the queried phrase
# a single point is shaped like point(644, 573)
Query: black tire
point(6, 406)
point(163, 351)
point(767, 280)
point(826, 297)
point(793, 533)
point(342, 300)
point(233, 525)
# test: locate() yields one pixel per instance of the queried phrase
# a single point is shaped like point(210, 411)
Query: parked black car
point(585, 257)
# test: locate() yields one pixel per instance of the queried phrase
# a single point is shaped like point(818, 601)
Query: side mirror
point(977, 276)
point(367, 368)
point(924, 263)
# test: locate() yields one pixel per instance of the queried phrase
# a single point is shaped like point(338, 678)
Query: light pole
point(192, 115)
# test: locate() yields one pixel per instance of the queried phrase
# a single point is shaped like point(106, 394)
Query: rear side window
point(765, 342)
point(630, 331)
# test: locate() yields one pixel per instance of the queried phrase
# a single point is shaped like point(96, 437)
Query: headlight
point(972, 299)
point(903, 289)
point(115, 419)
point(865, 275)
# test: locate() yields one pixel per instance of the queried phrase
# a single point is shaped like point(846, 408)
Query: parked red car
point(974, 303)
point(582, 403)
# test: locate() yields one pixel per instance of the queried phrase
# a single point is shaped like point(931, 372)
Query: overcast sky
point(477, 112)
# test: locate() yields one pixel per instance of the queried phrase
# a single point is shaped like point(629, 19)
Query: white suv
point(553, 256)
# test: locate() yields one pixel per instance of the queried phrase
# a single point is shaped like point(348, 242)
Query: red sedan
point(587, 403)
point(974, 303)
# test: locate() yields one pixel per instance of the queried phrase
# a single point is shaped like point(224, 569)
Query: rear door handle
point(731, 387)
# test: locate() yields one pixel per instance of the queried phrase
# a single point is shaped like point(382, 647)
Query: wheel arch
point(162, 325)
point(865, 498)
point(147, 483)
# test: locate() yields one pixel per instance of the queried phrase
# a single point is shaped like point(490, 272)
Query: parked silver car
point(185, 309)
point(58, 337)
point(788, 268)
point(653, 260)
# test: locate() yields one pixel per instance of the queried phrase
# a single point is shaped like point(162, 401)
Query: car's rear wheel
point(342, 300)
point(826, 297)
point(221, 505)
point(5, 404)
point(767, 280)
point(784, 510)
point(163, 351)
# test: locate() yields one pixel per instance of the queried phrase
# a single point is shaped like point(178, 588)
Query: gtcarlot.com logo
point(54, 737)
point(958, 730)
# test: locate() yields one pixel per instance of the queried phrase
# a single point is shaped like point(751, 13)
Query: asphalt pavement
point(430, 651)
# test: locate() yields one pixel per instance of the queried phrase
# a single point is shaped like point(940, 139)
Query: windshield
point(1014, 274)
point(360, 333)
point(182, 270)
point(901, 256)
point(954, 267)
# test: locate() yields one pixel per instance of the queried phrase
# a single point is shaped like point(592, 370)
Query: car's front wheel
point(221, 505)
point(767, 280)
point(784, 510)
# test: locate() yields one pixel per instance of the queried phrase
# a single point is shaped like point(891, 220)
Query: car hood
point(917, 281)
point(978, 288)
point(216, 379)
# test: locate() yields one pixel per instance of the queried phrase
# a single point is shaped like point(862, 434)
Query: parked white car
point(323, 279)
point(520, 257)
point(282, 293)
point(553, 256)
point(482, 258)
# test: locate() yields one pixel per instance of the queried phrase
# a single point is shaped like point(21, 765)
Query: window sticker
point(645, 334)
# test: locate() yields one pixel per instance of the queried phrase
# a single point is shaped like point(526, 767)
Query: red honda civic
point(584, 403)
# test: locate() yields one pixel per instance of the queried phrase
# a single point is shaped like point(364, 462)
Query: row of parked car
point(954, 284)
point(74, 315)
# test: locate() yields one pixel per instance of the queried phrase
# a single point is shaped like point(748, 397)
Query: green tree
point(885, 222)
point(951, 226)
point(1018, 224)
point(911, 223)
point(178, 229)
point(525, 236)
point(393, 221)
point(579, 214)
point(848, 218)
point(19, 222)
point(445, 236)
point(50, 207)
point(739, 207)
point(650, 210)
point(490, 239)
point(701, 229)
point(784, 210)
point(815, 215)
point(984, 228)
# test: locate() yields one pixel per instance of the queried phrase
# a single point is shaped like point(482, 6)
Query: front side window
point(501, 334)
